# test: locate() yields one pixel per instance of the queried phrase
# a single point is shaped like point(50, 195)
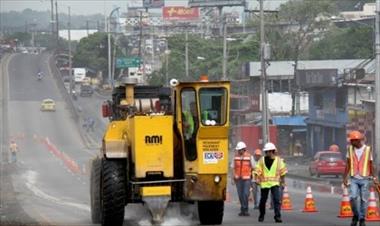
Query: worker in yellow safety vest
point(242, 174)
point(270, 172)
point(359, 171)
point(189, 121)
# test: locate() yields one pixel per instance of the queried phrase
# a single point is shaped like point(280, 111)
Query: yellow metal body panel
point(152, 144)
point(115, 140)
point(205, 188)
point(156, 191)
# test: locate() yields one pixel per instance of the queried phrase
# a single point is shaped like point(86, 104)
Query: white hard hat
point(240, 145)
point(269, 147)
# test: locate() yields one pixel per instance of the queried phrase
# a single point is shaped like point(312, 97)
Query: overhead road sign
point(128, 62)
point(180, 13)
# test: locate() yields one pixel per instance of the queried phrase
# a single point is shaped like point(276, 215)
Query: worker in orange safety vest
point(358, 173)
point(242, 167)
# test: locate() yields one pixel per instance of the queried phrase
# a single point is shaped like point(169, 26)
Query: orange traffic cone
point(345, 205)
point(372, 210)
point(309, 201)
point(286, 202)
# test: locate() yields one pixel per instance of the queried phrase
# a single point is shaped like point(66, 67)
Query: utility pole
point(52, 16)
point(187, 53)
point(140, 36)
point(264, 110)
point(70, 65)
point(56, 21)
point(377, 84)
point(87, 27)
point(224, 66)
point(110, 77)
point(109, 50)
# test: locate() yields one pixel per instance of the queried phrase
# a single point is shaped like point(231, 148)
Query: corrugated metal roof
point(286, 68)
point(289, 120)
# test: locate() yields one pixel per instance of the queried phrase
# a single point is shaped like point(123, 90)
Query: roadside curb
point(76, 115)
point(302, 182)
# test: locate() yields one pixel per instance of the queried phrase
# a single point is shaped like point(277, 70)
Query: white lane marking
point(31, 178)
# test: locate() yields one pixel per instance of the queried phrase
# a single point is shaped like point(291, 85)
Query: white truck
point(79, 74)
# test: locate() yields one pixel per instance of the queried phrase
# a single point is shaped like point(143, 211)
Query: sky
point(79, 7)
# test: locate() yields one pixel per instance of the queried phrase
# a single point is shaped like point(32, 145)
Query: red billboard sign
point(180, 13)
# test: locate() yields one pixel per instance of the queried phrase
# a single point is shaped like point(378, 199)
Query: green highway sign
point(128, 62)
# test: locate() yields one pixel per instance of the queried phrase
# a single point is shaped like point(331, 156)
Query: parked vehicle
point(327, 163)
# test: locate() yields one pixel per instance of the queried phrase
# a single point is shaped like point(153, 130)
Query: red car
point(327, 163)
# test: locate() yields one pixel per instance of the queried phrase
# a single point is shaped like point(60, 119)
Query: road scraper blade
point(157, 199)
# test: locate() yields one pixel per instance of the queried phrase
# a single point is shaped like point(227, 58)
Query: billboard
point(308, 78)
point(153, 3)
point(180, 13)
point(215, 3)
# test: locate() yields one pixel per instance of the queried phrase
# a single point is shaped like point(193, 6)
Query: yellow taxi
point(48, 105)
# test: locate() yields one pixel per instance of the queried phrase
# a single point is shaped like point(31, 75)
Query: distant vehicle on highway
point(79, 74)
point(327, 163)
point(86, 91)
point(48, 105)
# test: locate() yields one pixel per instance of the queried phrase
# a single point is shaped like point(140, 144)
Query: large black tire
point(96, 213)
point(113, 192)
point(210, 212)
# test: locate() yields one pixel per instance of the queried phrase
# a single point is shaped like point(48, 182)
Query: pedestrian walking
point(242, 166)
point(255, 184)
point(358, 173)
point(271, 171)
point(91, 123)
point(13, 148)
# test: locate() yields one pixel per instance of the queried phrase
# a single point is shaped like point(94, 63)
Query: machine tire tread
point(210, 212)
point(95, 190)
point(113, 192)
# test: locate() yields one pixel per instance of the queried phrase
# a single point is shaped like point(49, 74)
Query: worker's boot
point(362, 222)
point(354, 221)
point(261, 218)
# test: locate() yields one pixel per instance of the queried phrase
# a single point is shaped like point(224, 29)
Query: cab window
point(189, 122)
point(213, 106)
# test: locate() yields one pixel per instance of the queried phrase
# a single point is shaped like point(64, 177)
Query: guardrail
point(61, 86)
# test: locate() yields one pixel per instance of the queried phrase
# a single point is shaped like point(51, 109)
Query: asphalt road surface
point(48, 185)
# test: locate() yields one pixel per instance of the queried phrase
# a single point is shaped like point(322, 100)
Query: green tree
point(297, 24)
point(344, 43)
point(242, 50)
point(23, 38)
point(92, 52)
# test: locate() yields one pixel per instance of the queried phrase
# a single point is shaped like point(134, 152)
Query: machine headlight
point(217, 179)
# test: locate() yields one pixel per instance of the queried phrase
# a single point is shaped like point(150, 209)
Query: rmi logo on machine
point(155, 139)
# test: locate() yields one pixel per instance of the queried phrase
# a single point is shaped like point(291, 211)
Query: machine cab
point(202, 113)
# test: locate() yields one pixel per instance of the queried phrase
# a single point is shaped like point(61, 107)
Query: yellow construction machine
point(163, 144)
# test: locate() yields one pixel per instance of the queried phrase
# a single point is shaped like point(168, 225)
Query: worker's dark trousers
point(242, 187)
point(275, 190)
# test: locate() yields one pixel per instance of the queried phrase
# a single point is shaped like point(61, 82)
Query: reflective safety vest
point(189, 120)
point(359, 166)
point(243, 167)
point(270, 177)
